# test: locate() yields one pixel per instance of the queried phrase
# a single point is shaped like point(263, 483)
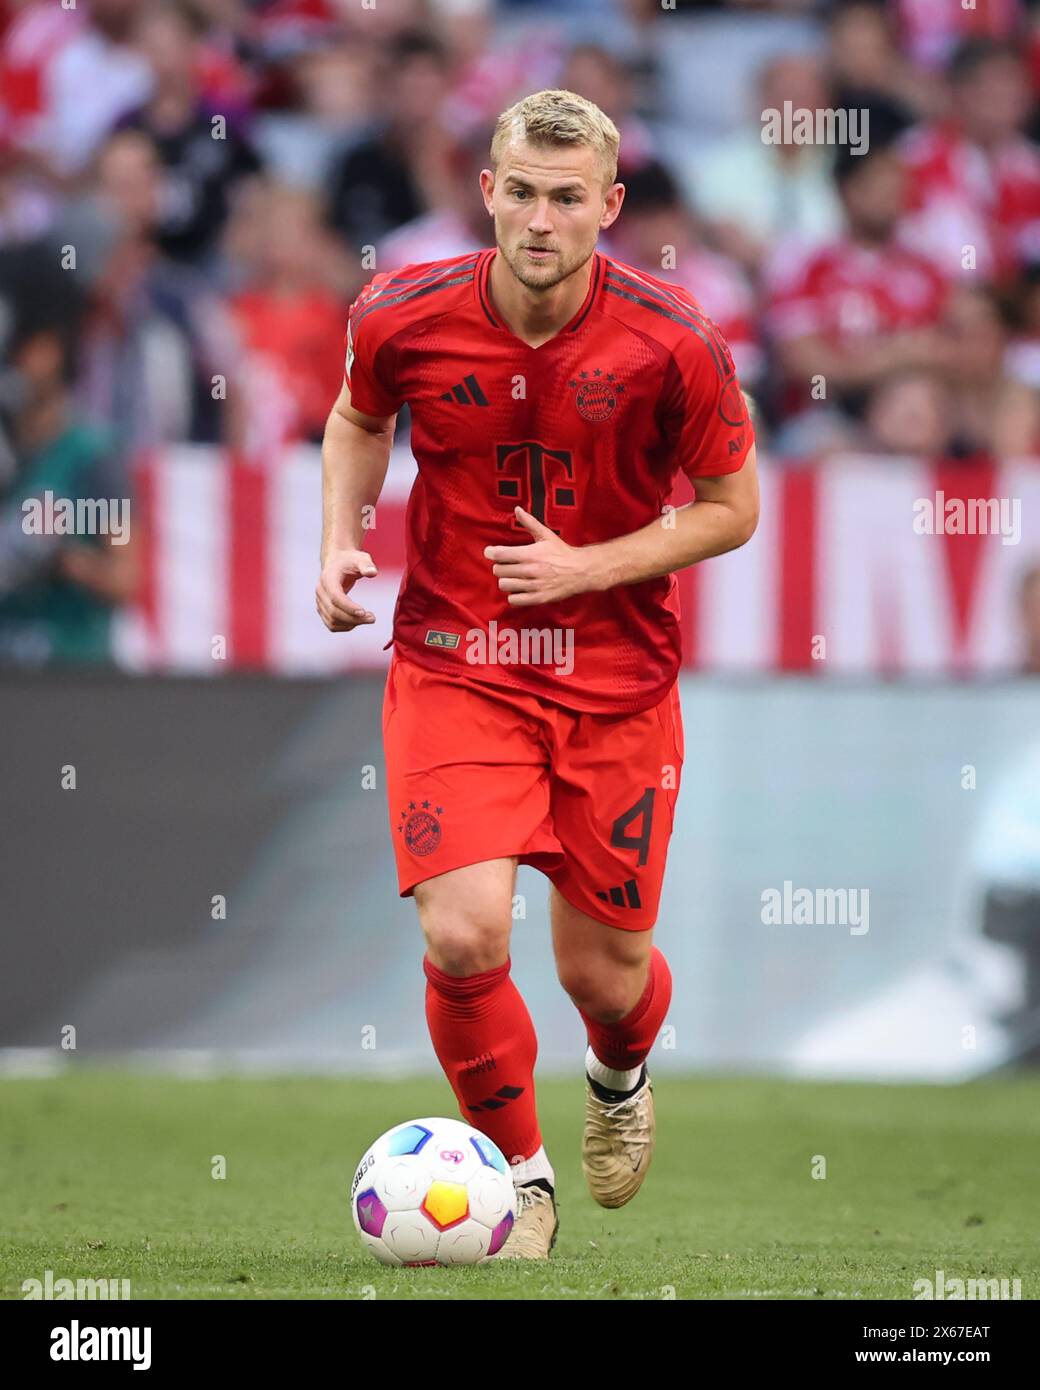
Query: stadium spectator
point(1023, 304)
point(909, 415)
point(970, 407)
point(491, 66)
point(27, 201)
point(96, 76)
point(157, 333)
point(974, 176)
point(867, 69)
point(847, 315)
point(199, 261)
point(930, 30)
point(201, 153)
point(332, 93)
point(597, 74)
point(993, 412)
point(390, 177)
point(32, 34)
point(292, 323)
point(760, 197)
point(57, 591)
point(456, 224)
point(658, 233)
point(1029, 600)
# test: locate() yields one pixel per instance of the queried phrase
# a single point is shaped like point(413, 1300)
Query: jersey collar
point(482, 289)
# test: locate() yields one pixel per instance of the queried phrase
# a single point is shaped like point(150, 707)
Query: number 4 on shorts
point(644, 807)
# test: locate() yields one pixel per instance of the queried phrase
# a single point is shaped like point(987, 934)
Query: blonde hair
point(557, 117)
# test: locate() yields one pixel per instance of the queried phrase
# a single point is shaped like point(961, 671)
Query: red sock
point(485, 1041)
point(627, 1043)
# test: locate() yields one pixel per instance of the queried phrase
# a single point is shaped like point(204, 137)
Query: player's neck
point(536, 315)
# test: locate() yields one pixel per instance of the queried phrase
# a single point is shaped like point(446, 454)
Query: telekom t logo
point(537, 477)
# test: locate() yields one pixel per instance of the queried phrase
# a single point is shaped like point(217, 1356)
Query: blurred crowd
point(193, 191)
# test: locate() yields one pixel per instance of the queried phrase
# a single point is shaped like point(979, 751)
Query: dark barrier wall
point(179, 783)
point(906, 815)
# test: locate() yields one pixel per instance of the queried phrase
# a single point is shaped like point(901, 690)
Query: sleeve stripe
point(701, 329)
point(687, 306)
point(672, 293)
point(413, 290)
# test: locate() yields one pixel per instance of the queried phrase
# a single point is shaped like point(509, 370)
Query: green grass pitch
point(107, 1174)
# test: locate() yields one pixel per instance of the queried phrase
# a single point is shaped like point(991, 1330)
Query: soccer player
point(531, 712)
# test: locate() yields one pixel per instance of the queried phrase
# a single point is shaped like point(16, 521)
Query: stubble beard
point(547, 277)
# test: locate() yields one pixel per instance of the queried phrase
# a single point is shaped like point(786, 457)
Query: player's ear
point(612, 200)
point(487, 187)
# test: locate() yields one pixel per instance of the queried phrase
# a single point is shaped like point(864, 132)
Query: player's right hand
point(342, 568)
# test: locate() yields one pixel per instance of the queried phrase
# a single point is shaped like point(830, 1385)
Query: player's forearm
point(856, 366)
point(681, 537)
point(353, 467)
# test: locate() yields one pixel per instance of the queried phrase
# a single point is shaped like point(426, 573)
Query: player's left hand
point(545, 571)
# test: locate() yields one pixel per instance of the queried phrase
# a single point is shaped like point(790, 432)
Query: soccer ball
point(433, 1192)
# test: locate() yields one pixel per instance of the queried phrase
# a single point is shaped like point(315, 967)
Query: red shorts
point(475, 772)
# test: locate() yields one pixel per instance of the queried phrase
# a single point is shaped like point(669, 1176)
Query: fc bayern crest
point(421, 827)
point(597, 394)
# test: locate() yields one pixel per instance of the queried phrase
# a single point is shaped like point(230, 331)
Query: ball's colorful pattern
point(433, 1191)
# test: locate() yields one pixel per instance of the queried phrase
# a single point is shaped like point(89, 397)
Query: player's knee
point(464, 943)
point(606, 1000)
point(457, 954)
point(466, 919)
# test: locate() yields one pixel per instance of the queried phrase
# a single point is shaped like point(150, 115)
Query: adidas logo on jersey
point(468, 393)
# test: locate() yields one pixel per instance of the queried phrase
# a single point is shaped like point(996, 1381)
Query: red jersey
point(295, 333)
point(932, 29)
point(587, 432)
point(844, 292)
point(962, 196)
